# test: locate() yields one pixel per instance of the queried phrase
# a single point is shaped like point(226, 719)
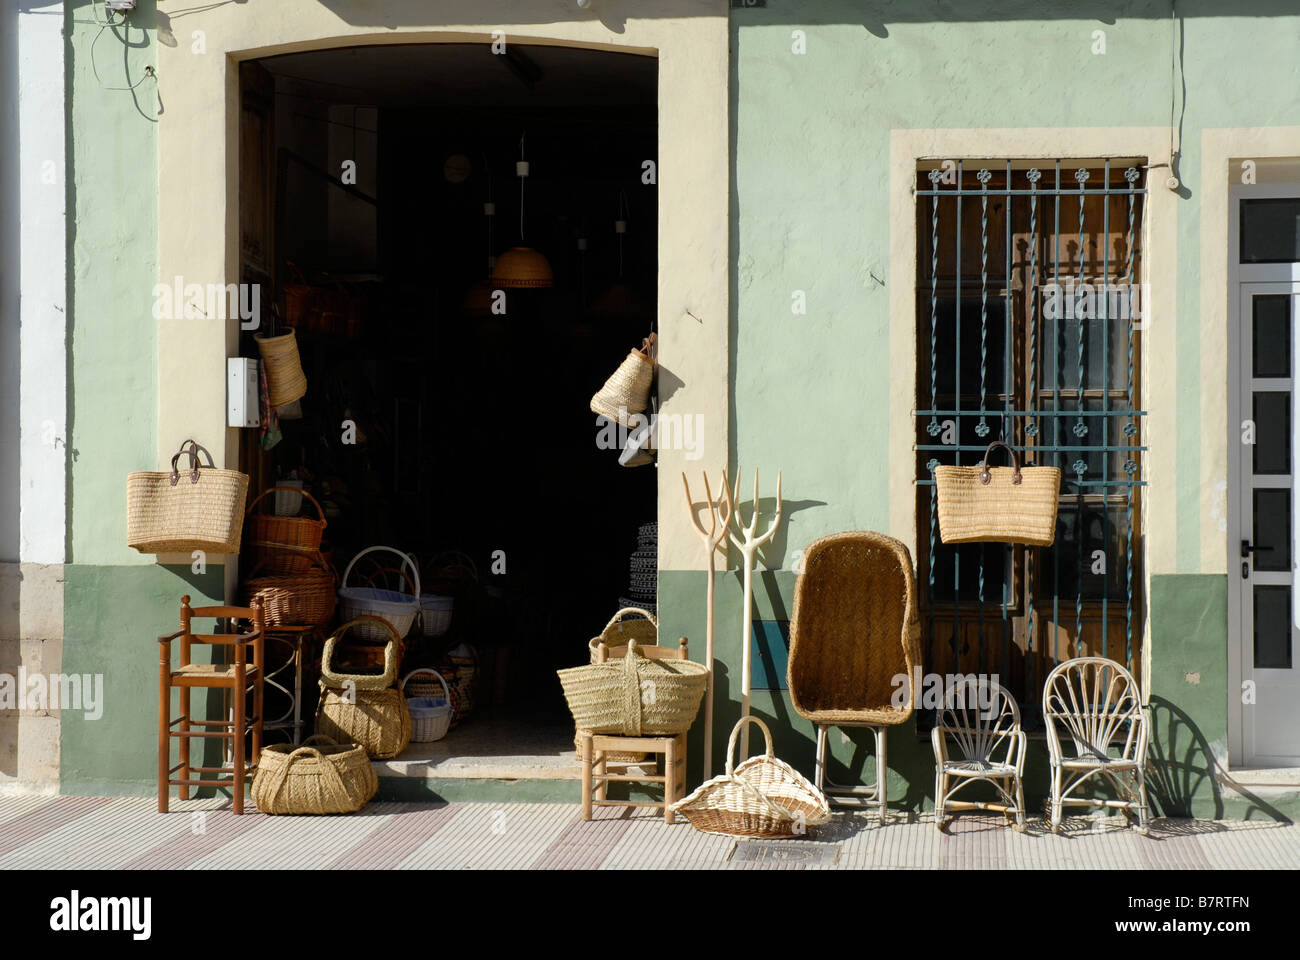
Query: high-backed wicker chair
point(1098, 705)
point(978, 740)
point(854, 631)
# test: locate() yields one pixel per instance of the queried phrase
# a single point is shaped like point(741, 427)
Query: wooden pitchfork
point(748, 545)
point(719, 521)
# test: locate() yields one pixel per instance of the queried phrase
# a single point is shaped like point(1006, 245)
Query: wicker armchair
point(978, 740)
point(854, 631)
point(1098, 705)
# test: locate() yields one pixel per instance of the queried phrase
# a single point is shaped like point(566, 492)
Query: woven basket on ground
point(635, 696)
point(284, 544)
point(399, 609)
point(294, 599)
point(180, 511)
point(854, 629)
point(986, 504)
point(627, 391)
point(364, 708)
point(763, 797)
point(329, 778)
point(284, 377)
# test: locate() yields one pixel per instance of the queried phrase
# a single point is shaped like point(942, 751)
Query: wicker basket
point(171, 512)
point(285, 380)
point(430, 716)
point(627, 391)
point(399, 609)
point(284, 544)
point(763, 797)
point(998, 504)
point(435, 614)
point(635, 696)
point(364, 708)
point(295, 599)
point(330, 778)
point(644, 629)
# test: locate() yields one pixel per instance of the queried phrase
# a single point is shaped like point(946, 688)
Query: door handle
point(1247, 548)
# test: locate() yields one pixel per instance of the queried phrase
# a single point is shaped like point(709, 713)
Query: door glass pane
point(1272, 535)
point(1271, 335)
point(1270, 230)
point(1273, 628)
point(1272, 414)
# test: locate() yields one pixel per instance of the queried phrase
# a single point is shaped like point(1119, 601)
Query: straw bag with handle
point(635, 696)
point(642, 627)
point(170, 511)
point(364, 708)
point(998, 504)
point(763, 797)
point(627, 391)
point(329, 778)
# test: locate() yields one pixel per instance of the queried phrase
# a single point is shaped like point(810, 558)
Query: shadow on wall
point(1181, 766)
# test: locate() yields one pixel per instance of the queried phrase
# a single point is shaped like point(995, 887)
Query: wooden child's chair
point(594, 750)
point(235, 678)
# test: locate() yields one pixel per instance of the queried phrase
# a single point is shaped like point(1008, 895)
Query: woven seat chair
point(1098, 705)
point(978, 740)
point(853, 632)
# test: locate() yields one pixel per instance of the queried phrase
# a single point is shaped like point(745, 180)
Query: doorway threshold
point(491, 746)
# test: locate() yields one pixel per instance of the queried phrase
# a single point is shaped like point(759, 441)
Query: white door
point(1266, 556)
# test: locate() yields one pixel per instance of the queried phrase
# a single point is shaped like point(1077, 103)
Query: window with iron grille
point(1029, 318)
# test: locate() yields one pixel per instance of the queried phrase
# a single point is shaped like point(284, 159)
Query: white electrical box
point(242, 406)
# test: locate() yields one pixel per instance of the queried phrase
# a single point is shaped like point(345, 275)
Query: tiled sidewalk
point(96, 832)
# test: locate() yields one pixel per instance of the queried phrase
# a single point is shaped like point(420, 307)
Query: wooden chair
point(978, 739)
point(234, 678)
point(594, 750)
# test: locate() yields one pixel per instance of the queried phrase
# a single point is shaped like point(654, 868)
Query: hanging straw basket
point(364, 708)
point(627, 391)
point(329, 778)
point(295, 599)
point(171, 512)
point(635, 696)
point(763, 797)
point(430, 716)
point(284, 544)
point(285, 380)
point(998, 504)
point(399, 609)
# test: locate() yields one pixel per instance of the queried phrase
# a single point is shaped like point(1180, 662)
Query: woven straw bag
point(285, 381)
point(294, 599)
point(627, 391)
point(644, 629)
point(330, 778)
point(763, 797)
point(171, 512)
point(635, 696)
point(284, 544)
point(998, 504)
point(364, 708)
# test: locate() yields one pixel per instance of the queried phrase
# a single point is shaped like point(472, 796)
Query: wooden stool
point(594, 748)
point(235, 678)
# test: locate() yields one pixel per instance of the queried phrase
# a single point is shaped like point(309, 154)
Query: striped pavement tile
point(43, 819)
point(18, 805)
point(292, 842)
point(105, 838)
point(389, 843)
point(973, 842)
point(649, 843)
point(494, 836)
point(1170, 851)
point(1247, 845)
point(586, 845)
point(203, 831)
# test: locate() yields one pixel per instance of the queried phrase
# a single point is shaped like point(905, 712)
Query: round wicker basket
point(329, 778)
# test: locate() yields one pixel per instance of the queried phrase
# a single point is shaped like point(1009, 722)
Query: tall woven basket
point(329, 778)
point(284, 544)
point(635, 696)
point(627, 391)
point(364, 708)
point(175, 511)
point(285, 380)
point(998, 504)
point(763, 797)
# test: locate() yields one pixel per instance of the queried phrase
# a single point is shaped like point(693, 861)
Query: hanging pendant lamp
point(522, 267)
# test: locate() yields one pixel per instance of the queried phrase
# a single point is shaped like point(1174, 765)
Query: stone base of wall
point(31, 644)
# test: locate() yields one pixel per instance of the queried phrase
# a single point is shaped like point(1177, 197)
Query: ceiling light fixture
point(522, 267)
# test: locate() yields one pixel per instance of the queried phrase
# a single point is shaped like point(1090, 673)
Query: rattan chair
point(853, 633)
point(1099, 706)
point(978, 740)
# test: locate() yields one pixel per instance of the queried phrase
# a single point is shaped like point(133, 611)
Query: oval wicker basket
point(284, 544)
point(294, 599)
point(763, 797)
point(399, 609)
point(364, 708)
point(635, 696)
point(430, 716)
point(330, 778)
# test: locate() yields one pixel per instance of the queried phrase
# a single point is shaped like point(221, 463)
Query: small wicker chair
point(1097, 702)
point(978, 739)
point(854, 631)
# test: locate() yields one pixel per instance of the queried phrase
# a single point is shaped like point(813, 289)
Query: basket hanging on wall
point(284, 377)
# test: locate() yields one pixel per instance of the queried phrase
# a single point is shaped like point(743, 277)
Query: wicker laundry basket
point(175, 511)
point(635, 696)
point(986, 504)
point(328, 778)
point(762, 797)
point(364, 708)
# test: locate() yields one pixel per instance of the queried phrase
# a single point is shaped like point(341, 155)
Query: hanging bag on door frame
point(170, 511)
point(983, 504)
